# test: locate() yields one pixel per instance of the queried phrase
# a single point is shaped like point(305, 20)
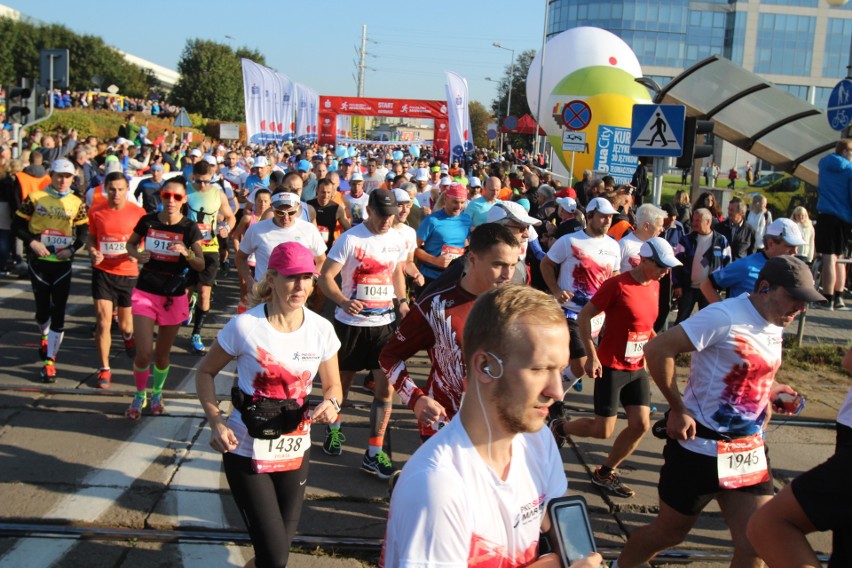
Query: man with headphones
point(715, 429)
point(482, 483)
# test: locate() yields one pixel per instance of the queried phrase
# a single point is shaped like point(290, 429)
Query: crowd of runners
point(517, 286)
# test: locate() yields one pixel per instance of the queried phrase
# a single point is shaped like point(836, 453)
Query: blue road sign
point(576, 115)
point(510, 122)
point(840, 105)
point(492, 134)
point(657, 130)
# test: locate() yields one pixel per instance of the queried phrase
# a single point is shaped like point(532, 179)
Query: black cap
point(793, 275)
point(383, 202)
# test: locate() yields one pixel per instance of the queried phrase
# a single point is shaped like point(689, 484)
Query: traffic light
point(692, 150)
point(21, 104)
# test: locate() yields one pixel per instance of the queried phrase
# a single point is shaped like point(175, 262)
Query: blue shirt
point(835, 187)
point(739, 276)
point(253, 181)
point(478, 210)
point(438, 230)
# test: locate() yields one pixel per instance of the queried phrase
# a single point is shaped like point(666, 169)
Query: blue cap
point(346, 162)
point(303, 166)
point(157, 167)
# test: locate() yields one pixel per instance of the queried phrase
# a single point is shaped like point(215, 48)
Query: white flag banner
point(313, 117)
point(287, 108)
point(306, 106)
point(253, 84)
point(457, 105)
point(269, 102)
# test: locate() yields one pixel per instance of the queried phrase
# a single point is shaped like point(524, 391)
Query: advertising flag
point(459, 118)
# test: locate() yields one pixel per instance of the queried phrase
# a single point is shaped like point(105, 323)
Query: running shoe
point(612, 483)
point(134, 411)
point(558, 430)
point(378, 465)
point(48, 371)
point(42, 348)
point(104, 378)
point(839, 304)
point(192, 301)
point(578, 386)
point(225, 268)
point(333, 444)
point(197, 345)
point(157, 406)
point(130, 347)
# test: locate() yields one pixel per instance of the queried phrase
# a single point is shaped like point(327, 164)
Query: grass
point(104, 124)
point(817, 357)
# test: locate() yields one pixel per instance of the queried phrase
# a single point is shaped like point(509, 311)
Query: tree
point(479, 118)
point(211, 79)
point(520, 107)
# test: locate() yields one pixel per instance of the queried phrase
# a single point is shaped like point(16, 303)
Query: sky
point(315, 42)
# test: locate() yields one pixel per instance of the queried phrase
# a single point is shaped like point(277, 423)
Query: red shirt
point(110, 230)
point(435, 323)
point(631, 310)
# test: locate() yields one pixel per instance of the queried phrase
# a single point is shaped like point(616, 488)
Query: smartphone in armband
point(570, 532)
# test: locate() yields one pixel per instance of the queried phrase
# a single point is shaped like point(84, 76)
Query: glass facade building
point(800, 45)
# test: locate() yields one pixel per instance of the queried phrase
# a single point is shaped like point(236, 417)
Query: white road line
point(13, 289)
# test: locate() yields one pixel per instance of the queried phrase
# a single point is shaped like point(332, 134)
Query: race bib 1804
point(742, 463)
point(635, 348)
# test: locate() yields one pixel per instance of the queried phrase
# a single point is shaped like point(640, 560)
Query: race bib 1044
point(159, 243)
point(281, 454)
point(374, 291)
point(742, 463)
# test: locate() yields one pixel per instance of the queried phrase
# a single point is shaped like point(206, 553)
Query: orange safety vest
point(30, 183)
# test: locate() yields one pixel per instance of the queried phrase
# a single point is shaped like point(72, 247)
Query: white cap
point(285, 199)
point(446, 181)
point(356, 176)
point(195, 152)
point(210, 160)
point(260, 162)
point(122, 141)
point(421, 174)
point(112, 167)
point(787, 230)
point(445, 168)
point(474, 182)
point(401, 195)
point(660, 251)
point(569, 204)
point(601, 205)
point(511, 210)
point(63, 166)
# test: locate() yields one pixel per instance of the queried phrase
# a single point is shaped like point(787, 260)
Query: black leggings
point(270, 503)
point(51, 286)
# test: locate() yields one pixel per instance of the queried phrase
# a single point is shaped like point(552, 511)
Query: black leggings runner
point(51, 286)
point(270, 503)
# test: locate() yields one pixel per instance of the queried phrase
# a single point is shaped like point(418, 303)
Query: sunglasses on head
point(290, 213)
point(177, 197)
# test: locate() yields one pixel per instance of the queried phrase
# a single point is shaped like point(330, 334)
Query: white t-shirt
point(700, 272)
point(734, 365)
point(357, 207)
point(369, 261)
point(236, 176)
point(274, 364)
point(262, 238)
point(450, 509)
point(410, 236)
point(424, 199)
point(373, 182)
point(629, 246)
point(585, 262)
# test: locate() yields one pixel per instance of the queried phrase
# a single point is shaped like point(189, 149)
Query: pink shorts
point(154, 307)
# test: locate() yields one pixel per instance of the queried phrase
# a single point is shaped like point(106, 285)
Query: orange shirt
point(505, 194)
point(110, 229)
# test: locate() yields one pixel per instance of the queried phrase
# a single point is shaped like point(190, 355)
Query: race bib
point(281, 454)
point(742, 463)
point(374, 291)
point(597, 324)
point(206, 233)
point(112, 247)
point(452, 252)
point(56, 239)
point(324, 233)
point(635, 348)
point(160, 242)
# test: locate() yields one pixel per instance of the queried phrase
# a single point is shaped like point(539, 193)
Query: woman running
point(172, 247)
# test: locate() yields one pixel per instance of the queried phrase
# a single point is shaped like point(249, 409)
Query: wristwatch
point(336, 404)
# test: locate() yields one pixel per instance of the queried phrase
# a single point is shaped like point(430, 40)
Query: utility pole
point(362, 64)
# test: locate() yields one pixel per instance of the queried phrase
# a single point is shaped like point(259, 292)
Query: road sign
point(510, 122)
point(182, 119)
point(840, 105)
point(229, 131)
point(573, 141)
point(492, 134)
point(657, 130)
point(576, 115)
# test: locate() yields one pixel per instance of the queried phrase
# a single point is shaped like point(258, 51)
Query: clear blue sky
point(410, 44)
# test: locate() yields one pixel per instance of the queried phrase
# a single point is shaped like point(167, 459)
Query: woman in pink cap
point(279, 345)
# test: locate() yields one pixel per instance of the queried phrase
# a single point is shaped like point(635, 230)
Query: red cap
point(456, 191)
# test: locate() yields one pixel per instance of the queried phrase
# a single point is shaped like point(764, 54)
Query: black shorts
point(113, 288)
point(206, 277)
point(576, 348)
point(824, 493)
point(360, 346)
point(831, 234)
point(689, 481)
point(632, 388)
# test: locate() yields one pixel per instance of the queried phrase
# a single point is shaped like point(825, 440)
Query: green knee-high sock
point(160, 378)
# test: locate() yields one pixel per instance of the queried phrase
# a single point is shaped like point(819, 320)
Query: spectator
point(803, 220)
point(759, 218)
point(739, 233)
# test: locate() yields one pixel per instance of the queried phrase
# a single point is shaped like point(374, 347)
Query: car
point(783, 193)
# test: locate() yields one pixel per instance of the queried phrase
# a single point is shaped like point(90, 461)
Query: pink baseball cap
point(292, 258)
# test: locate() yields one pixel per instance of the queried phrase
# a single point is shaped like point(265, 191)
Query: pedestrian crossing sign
point(657, 130)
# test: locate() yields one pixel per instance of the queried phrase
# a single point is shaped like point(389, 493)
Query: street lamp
point(511, 76)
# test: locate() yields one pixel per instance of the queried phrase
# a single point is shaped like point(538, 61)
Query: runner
point(52, 223)
point(262, 202)
point(205, 203)
point(716, 447)
point(370, 259)
point(356, 199)
point(148, 190)
point(172, 248)
point(436, 323)
point(482, 484)
point(404, 203)
point(442, 236)
point(331, 217)
point(630, 301)
point(114, 272)
point(649, 223)
point(574, 268)
point(279, 346)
